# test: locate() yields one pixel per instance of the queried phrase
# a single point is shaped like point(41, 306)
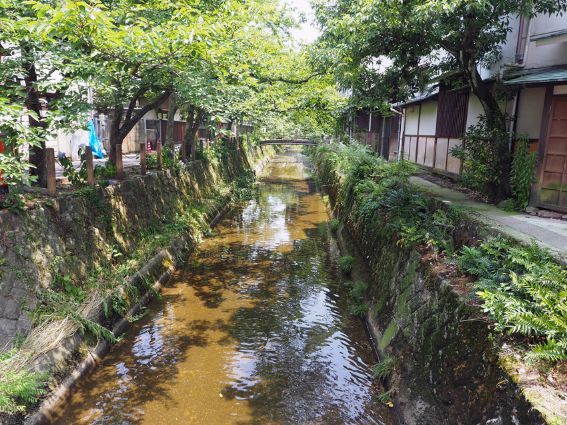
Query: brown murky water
point(254, 330)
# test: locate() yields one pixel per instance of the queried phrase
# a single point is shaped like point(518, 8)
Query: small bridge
point(304, 142)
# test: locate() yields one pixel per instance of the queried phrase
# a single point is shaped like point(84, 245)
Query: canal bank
point(446, 361)
point(254, 330)
point(84, 260)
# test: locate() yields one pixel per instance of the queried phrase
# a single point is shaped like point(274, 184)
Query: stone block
point(12, 309)
point(549, 214)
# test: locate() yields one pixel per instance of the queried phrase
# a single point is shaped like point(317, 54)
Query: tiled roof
point(420, 98)
point(549, 76)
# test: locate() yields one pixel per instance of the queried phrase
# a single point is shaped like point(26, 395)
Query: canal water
point(254, 330)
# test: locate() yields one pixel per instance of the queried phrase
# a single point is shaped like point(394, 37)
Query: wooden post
point(119, 163)
point(159, 158)
point(90, 165)
point(50, 171)
point(143, 166)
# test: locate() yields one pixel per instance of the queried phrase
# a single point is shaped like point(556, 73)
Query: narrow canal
point(255, 330)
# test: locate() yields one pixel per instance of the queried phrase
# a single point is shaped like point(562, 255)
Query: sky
point(308, 31)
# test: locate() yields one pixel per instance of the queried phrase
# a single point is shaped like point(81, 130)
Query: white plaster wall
point(508, 51)
point(474, 110)
point(412, 118)
point(150, 115)
point(551, 54)
point(530, 110)
point(543, 24)
point(428, 119)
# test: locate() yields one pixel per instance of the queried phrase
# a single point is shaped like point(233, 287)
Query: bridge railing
point(288, 142)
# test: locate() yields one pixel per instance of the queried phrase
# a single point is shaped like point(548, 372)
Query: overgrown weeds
point(524, 291)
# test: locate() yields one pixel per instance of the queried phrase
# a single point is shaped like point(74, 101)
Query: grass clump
point(384, 368)
point(357, 291)
point(346, 263)
point(385, 398)
point(524, 291)
point(334, 225)
point(19, 388)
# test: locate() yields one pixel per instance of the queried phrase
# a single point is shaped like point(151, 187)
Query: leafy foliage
point(524, 292)
point(346, 264)
point(522, 174)
point(19, 388)
point(480, 155)
point(77, 177)
point(380, 192)
point(334, 225)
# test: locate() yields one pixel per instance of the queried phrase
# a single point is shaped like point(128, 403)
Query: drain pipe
point(514, 115)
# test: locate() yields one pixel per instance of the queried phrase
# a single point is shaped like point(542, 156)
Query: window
point(452, 113)
point(523, 26)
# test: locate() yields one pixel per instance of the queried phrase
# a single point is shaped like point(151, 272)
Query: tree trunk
point(187, 141)
point(122, 123)
point(115, 138)
point(195, 132)
point(32, 104)
point(171, 121)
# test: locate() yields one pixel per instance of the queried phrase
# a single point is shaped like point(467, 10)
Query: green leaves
point(524, 292)
point(522, 174)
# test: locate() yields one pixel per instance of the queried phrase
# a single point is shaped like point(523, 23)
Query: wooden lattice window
point(452, 113)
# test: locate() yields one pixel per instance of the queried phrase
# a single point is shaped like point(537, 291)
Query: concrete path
point(547, 232)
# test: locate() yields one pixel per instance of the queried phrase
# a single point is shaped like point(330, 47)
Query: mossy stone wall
point(72, 233)
point(447, 369)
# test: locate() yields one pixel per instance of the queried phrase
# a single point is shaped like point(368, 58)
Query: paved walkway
point(548, 233)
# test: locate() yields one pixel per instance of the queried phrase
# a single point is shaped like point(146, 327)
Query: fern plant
point(524, 291)
point(19, 388)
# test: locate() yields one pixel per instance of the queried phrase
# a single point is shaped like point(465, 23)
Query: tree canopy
point(229, 59)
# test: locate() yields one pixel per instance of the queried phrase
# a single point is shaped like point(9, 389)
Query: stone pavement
point(547, 232)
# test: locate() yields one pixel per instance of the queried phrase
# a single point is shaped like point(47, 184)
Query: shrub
point(482, 154)
point(357, 290)
point(77, 177)
point(151, 161)
point(384, 368)
point(524, 292)
point(346, 264)
point(107, 171)
point(522, 174)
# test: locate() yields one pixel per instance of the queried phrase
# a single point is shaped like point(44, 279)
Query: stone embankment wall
point(447, 369)
point(73, 233)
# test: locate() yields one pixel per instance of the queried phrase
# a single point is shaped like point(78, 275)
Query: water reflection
point(253, 331)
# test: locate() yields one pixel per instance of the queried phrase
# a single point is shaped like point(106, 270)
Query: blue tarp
point(94, 143)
